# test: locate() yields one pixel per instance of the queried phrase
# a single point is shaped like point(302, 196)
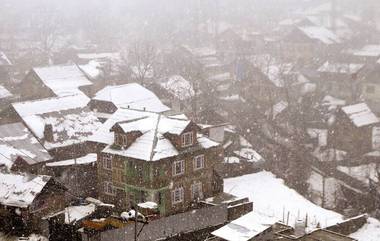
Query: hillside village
point(227, 131)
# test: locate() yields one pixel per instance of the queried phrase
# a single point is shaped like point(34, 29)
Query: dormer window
point(120, 139)
point(187, 139)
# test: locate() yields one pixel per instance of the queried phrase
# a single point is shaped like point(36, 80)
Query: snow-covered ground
point(272, 198)
point(32, 237)
point(369, 232)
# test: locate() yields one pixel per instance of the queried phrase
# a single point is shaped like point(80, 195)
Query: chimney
point(48, 133)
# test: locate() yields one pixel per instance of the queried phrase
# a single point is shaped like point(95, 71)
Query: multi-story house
point(159, 159)
point(308, 42)
point(355, 130)
point(340, 80)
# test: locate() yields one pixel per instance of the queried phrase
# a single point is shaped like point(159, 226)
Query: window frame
point(195, 162)
point(189, 134)
point(107, 161)
point(121, 139)
point(181, 195)
point(174, 168)
point(109, 189)
point(199, 185)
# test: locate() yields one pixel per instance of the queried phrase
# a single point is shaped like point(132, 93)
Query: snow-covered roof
point(321, 34)
point(272, 68)
point(148, 205)
point(360, 114)
point(370, 50)
point(4, 59)
point(132, 96)
point(249, 154)
point(20, 190)
point(200, 52)
point(152, 145)
point(179, 87)
point(69, 127)
point(77, 213)
point(340, 68)
point(272, 198)
point(221, 77)
point(91, 69)
point(42, 106)
point(17, 141)
point(87, 159)
point(245, 228)
point(278, 108)
point(4, 93)
point(62, 79)
point(92, 56)
point(71, 120)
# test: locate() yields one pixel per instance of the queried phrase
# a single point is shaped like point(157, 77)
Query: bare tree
point(143, 56)
point(48, 30)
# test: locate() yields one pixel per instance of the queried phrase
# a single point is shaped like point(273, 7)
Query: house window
point(177, 195)
point(196, 191)
point(199, 162)
point(370, 89)
point(107, 161)
point(178, 168)
point(109, 188)
point(187, 139)
point(121, 139)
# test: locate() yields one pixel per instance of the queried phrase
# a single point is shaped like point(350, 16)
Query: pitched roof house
point(29, 198)
point(340, 79)
point(62, 124)
point(133, 96)
point(355, 130)
point(157, 158)
point(20, 150)
point(308, 42)
point(58, 80)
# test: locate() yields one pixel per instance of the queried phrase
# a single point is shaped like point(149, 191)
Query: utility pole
point(136, 212)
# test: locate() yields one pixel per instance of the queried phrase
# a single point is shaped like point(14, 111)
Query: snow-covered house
point(100, 66)
point(130, 96)
point(20, 150)
point(61, 124)
point(340, 80)
point(308, 42)
point(370, 87)
point(158, 158)
point(234, 41)
point(355, 130)
point(25, 199)
point(369, 53)
point(58, 80)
